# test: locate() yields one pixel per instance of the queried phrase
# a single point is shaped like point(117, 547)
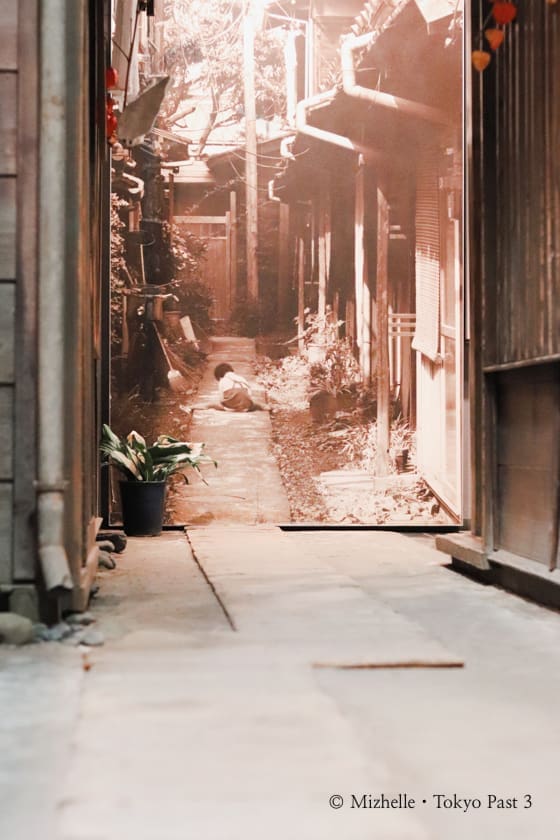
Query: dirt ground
point(310, 454)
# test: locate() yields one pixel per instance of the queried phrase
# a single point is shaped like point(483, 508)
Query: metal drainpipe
point(52, 213)
point(396, 103)
point(340, 140)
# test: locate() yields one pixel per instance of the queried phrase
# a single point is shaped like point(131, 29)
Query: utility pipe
point(339, 140)
point(52, 253)
point(375, 97)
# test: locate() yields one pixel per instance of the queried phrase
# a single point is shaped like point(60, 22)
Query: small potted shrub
point(320, 332)
point(146, 470)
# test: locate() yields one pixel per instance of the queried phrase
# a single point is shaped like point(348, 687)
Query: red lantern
point(111, 78)
point(503, 11)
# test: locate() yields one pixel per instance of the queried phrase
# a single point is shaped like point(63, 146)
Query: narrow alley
point(315, 596)
point(247, 487)
point(206, 714)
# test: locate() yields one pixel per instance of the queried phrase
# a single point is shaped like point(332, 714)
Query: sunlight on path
point(246, 488)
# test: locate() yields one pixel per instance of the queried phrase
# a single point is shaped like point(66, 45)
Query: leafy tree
point(204, 52)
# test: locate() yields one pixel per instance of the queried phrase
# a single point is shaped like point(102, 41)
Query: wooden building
point(54, 257)
point(376, 194)
point(514, 220)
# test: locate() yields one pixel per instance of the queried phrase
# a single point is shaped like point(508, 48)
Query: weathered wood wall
point(514, 286)
point(522, 191)
point(8, 182)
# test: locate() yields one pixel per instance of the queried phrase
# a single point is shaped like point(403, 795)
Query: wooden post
point(363, 294)
point(359, 258)
point(301, 291)
point(322, 256)
point(283, 261)
point(228, 266)
point(171, 202)
point(383, 394)
point(233, 248)
point(251, 172)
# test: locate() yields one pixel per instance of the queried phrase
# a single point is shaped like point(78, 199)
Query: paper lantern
point(480, 59)
point(503, 11)
point(494, 37)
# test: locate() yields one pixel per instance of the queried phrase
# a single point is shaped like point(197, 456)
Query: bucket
point(143, 504)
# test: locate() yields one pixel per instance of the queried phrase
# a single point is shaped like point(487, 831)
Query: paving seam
point(213, 589)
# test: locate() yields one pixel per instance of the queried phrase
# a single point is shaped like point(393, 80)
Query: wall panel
point(7, 228)
point(8, 123)
point(522, 218)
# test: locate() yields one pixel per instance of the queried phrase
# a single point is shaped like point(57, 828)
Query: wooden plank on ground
point(5, 533)
point(6, 431)
point(8, 123)
point(7, 228)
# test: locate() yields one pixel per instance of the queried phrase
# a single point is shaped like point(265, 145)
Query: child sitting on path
point(235, 393)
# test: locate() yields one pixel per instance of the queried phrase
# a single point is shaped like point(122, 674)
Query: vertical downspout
point(290, 59)
point(52, 253)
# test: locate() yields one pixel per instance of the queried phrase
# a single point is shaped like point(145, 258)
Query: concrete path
point(246, 487)
point(204, 717)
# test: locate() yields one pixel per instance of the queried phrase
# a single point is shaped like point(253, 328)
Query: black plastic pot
point(143, 504)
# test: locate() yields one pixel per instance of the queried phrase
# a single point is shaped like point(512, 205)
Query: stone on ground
point(15, 629)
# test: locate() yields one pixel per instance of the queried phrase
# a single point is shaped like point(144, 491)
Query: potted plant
point(334, 381)
point(320, 332)
point(146, 470)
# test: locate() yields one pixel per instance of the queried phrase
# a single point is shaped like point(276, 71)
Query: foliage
point(339, 372)
point(286, 383)
point(204, 50)
point(139, 462)
point(119, 270)
point(195, 297)
point(360, 444)
point(319, 329)
point(189, 251)
point(245, 318)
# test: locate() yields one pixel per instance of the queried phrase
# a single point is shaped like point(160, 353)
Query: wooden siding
point(8, 217)
point(25, 399)
point(6, 432)
point(6, 333)
point(528, 417)
point(521, 192)
point(7, 228)
point(8, 34)
point(5, 533)
point(8, 123)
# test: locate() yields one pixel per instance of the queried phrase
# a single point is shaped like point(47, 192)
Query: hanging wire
point(131, 50)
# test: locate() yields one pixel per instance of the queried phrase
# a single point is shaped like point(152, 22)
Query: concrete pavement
point(247, 487)
point(204, 717)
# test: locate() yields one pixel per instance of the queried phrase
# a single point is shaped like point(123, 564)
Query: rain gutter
point(350, 45)
point(340, 140)
point(51, 483)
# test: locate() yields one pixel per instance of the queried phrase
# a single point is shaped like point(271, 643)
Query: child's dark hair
point(221, 370)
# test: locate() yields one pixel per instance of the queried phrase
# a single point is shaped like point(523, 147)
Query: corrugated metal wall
point(523, 218)
point(426, 338)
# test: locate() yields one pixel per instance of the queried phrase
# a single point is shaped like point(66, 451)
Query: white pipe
point(52, 231)
point(290, 59)
point(395, 103)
